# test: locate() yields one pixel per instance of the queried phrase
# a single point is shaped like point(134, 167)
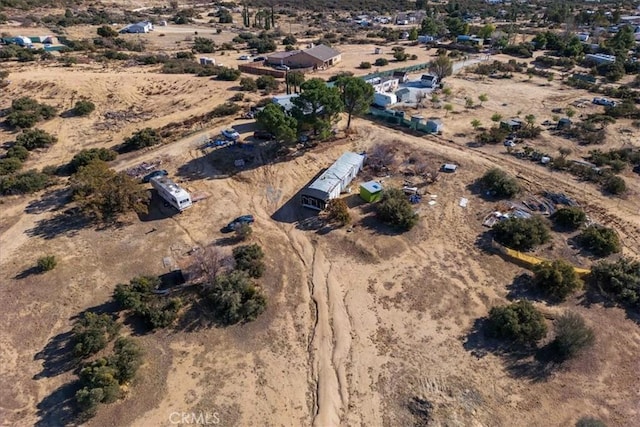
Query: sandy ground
point(359, 323)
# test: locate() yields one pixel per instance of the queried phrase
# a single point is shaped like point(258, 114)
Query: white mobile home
point(332, 182)
point(384, 99)
point(172, 193)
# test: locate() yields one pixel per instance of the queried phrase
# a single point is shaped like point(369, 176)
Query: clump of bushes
point(234, 298)
point(157, 311)
point(518, 322)
point(92, 332)
point(557, 279)
point(365, 65)
point(338, 212)
point(228, 74)
point(26, 112)
point(248, 84)
point(23, 183)
point(85, 157)
point(381, 62)
point(498, 183)
point(267, 83)
point(47, 263)
point(394, 209)
point(9, 165)
point(250, 259)
point(570, 218)
point(601, 241)
point(226, 109)
point(620, 280)
point(83, 107)
point(572, 336)
point(522, 234)
point(146, 137)
point(32, 139)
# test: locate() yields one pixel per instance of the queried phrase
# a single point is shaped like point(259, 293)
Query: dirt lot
point(363, 326)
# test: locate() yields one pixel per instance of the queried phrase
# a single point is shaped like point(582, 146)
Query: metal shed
point(371, 191)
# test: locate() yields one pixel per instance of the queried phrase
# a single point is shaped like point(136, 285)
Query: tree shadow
point(595, 296)
point(373, 224)
point(522, 287)
point(31, 271)
point(536, 364)
point(157, 209)
point(68, 223)
point(50, 201)
point(57, 356)
point(59, 408)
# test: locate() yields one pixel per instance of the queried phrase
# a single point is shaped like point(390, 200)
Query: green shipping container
point(371, 191)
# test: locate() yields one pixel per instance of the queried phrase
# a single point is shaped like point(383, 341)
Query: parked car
point(154, 174)
point(259, 58)
point(236, 223)
point(263, 134)
point(509, 143)
point(245, 57)
point(604, 101)
point(283, 68)
point(231, 134)
point(636, 169)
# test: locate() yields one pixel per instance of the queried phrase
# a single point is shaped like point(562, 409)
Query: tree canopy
point(519, 322)
point(521, 233)
point(274, 119)
point(394, 208)
point(357, 96)
point(557, 279)
point(317, 106)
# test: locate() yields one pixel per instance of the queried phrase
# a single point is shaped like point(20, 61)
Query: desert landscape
point(365, 323)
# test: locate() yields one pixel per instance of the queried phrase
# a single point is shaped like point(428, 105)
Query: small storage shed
point(404, 95)
point(434, 125)
point(564, 123)
point(449, 167)
point(371, 191)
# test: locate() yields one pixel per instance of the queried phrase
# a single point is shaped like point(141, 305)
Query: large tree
point(104, 194)
point(357, 96)
point(318, 105)
point(441, 67)
point(274, 119)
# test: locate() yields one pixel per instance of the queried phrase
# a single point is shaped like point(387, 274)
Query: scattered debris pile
point(544, 204)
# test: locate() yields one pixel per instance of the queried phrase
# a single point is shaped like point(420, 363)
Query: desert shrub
point(620, 280)
point(248, 84)
point(519, 322)
point(572, 335)
point(18, 152)
point(498, 183)
point(203, 45)
point(365, 65)
point(234, 298)
point(35, 138)
point(23, 183)
point(107, 31)
point(103, 194)
point(146, 137)
point(521, 233)
point(83, 107)
point(85, 157)
point(9, 165)
point(228, 74)
point(601, 241)
point(570, 218)
point(267, 83)
point(289, 39)
point(244, 231)
point(155, 310)
point(557, 279)
point(262, 45)
point(521, 50)
point(99, 386)
point(615, 185)
point(590, 422)
point(126, 359)
point(237, 97)
point(92, 332)
point(394, 208)
point(338, 212)
point(494, 135)
point(249, 258)
point(226, 109)
point(26, 112)
point(47, 263)
point(381, 62)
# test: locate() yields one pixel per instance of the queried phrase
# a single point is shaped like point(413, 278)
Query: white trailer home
point(332, 182)
point(172, 193)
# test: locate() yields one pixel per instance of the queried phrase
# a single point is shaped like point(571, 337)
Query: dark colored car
point(263, 134)
point(236, 223)
point(154, 174)
point(636, 169)
point(259, 58)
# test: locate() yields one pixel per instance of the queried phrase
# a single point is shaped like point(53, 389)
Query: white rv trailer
point(175, 195)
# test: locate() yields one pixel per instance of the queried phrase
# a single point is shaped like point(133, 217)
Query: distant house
point(383, 84)
point(332, 182)
point(402, 76)
point(284, 101)
point(137, 28)
point(316, 57)
point(511, 124)
point(384, 99)
point(470, 40)
point(600, 58)
point(404, 95)
point(22, 41)
point(434, 125)
point(429, 80)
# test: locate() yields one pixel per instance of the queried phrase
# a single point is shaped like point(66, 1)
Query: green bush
point(519, 322)
point(9, 165)
point(203, 45)
point(92, 332)
point(244, 231)
point(83, 108)
point(155, 310)
point(557, 279)
point(126, 359)
point(35, 138)
point(498, 183)
point(146, 137)
point(572, 335)
point(267, 83)
point(590, 422)
point(620, 280)
point(85, 157)
point(601, 241)
point(249, 258)
point(23, 183)
point(226, 109)
point(338, 212)
point(47, 263)
point(26, 112)
point(394, 208)
point(615, 185)
point(18, 152)
point(234, 298)
point(494, 135)
point(107, 31)
point(381, 62)
point(289, 39)
point(570, 218)
point(228, 74)
point(248, 84)
point(100, 385)
point(365, 65)
point(521, 234)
